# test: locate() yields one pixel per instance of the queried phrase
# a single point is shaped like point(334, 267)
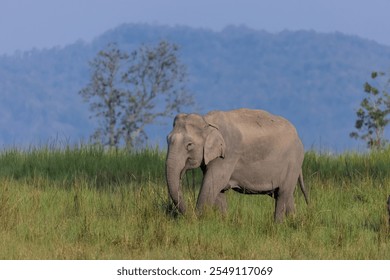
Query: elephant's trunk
point(174, 172)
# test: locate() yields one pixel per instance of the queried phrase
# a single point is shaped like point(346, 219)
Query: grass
point(87, 203)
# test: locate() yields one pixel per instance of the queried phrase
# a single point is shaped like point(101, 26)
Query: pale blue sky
point(25, 24)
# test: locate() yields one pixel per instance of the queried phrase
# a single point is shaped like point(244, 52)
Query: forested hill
point(314, 79)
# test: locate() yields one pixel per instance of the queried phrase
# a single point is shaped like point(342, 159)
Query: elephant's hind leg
point(284, 199)
point(284, 205)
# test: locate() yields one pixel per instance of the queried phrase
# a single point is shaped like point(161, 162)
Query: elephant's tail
point(302, 186)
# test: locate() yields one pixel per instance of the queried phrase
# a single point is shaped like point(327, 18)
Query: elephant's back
point(274, 135)
point(260, 125)
point(250, 131)
point(249, 121)
point(259, 121)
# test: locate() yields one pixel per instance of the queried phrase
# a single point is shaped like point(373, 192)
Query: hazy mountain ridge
point(314, 79)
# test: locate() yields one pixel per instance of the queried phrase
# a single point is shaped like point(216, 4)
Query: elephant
point(248, 151)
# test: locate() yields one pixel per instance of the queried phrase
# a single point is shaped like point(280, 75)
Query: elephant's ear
point(214, 146)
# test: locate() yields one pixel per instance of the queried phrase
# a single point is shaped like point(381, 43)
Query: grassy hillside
point(85, 203)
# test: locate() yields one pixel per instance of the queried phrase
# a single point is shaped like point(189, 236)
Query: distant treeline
point(313, 79)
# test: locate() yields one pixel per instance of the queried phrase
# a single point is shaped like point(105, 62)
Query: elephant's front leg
point(221, 202)
point(215, 179)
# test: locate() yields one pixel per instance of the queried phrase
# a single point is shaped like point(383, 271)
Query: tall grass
point(87, 203)
point(101, 168)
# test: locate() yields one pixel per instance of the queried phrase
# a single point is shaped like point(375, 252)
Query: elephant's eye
point(190, 146)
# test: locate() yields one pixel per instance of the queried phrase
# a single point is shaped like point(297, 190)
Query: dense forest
point(314, 79)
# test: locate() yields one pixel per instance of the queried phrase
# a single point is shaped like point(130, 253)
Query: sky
point(28, 24)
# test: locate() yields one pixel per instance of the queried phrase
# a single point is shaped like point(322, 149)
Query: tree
point(372, 116)
point(104, 95)
point(127, 92)
point(155, 81)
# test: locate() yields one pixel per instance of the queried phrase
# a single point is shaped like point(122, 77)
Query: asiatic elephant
point(249, 151)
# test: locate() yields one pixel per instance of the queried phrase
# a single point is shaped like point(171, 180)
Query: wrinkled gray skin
point(249, 151)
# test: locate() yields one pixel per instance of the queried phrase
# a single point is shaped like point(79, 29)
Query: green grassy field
point(84, 203)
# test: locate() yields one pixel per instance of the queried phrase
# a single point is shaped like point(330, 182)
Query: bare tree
point(104, 96)
point(127, 92)
point(155, 89)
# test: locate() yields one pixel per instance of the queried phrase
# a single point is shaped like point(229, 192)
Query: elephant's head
point(193, 142)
